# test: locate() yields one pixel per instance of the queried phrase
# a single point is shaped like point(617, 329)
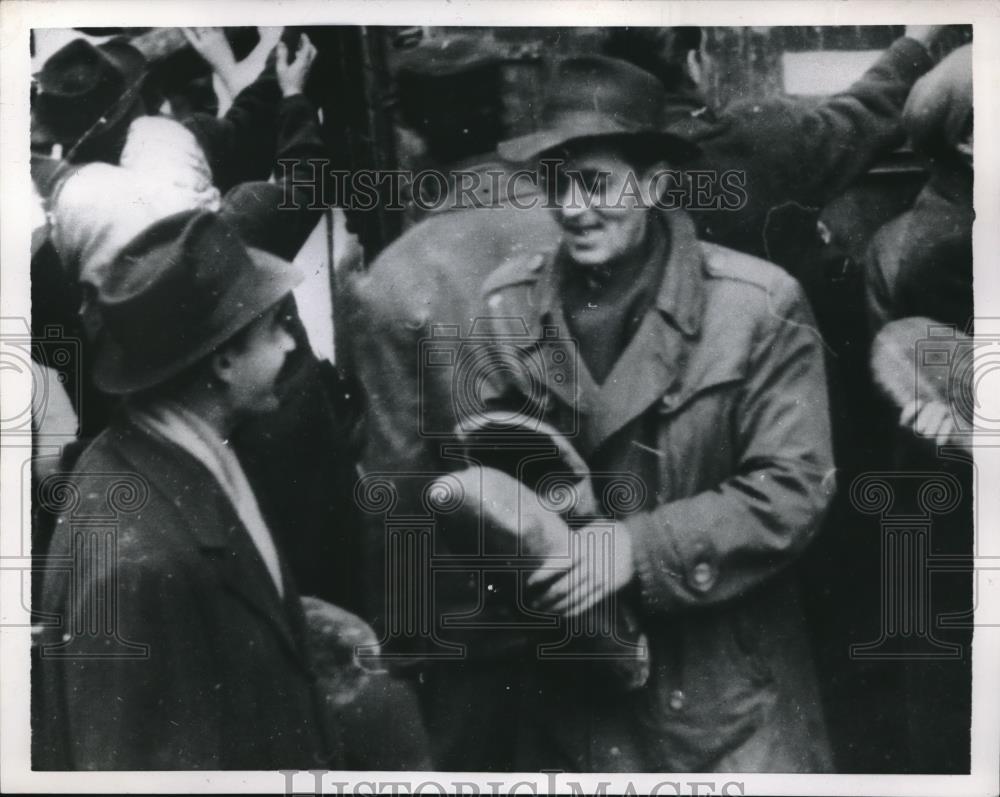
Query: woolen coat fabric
point(224, 680)
point(920, 263)
point(793, 153)
point(718, 406)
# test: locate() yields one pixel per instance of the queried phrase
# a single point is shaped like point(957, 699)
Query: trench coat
point(718, 406)
point(729, 305)
point(208, 665)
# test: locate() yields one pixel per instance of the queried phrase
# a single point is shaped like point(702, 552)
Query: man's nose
point(286, 341)
point(573, 204)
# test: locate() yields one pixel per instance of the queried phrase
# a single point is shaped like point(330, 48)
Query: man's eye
point(558, 183)
point(592, 181)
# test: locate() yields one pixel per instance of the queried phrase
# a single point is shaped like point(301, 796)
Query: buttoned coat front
point(719, 406)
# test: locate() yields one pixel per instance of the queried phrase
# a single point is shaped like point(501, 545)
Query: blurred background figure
point(449, 102)
point(920, 263)
point(920, 300)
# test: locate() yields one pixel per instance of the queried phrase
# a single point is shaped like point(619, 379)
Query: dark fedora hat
point(448, 57)
point(175, 293)
point(82, 86)
point(595, 97)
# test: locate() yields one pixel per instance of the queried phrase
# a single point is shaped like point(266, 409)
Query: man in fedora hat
point(699, 371)
point(85, 90)
point(204, 663)
point(86, 97)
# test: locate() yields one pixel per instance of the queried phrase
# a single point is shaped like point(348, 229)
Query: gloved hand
point(600, 563)
point(575, 575)
point(343, 648)
point(514, 519)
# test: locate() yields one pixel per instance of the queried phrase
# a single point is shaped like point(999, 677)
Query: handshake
point(576, 571)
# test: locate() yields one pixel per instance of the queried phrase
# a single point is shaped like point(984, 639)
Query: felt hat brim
point(261, 287)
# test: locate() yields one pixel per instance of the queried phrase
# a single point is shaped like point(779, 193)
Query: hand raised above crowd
point(925, 34)
point(292, 75)
point(211, 44)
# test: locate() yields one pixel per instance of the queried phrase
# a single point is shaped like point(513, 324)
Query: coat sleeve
point(841, 137)
point(149, 711)
point(241, 146)
point(384, 349)
point(719, 543)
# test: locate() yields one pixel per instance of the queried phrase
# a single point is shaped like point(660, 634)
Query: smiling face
point(602, 205)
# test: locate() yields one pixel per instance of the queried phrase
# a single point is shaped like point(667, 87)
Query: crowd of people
point(547, 510)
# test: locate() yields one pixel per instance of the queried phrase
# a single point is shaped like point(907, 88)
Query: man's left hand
point(597, 567)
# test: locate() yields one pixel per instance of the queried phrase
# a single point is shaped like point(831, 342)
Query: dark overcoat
point(169, 646)
point(787, 157)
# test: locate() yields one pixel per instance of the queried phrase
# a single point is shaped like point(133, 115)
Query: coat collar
point(652, 363)
point(215, 527)
point(681, 297)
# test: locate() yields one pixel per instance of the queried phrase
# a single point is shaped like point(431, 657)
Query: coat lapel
point(652, 365)
point(647, 370)
point(213, 523)
point(650, 368)
point(553, 357)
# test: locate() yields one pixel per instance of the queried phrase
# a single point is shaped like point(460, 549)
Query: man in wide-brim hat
point(698, 370)
point(204, 664)
point(87, 92)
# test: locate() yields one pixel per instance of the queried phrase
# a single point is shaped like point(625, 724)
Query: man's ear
point(694, 67)
point(222, 366)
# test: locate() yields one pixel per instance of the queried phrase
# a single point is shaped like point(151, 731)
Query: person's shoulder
point(730, 265)
point(521, 268)
point(481, 233)
point(103, 454)
point(444, 259)
point(123, 473)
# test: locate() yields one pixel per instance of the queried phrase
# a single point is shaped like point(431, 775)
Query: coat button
point(702, 576)
point(676, 700)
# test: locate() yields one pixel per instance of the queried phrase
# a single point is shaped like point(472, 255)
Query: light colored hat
point(99, 208)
